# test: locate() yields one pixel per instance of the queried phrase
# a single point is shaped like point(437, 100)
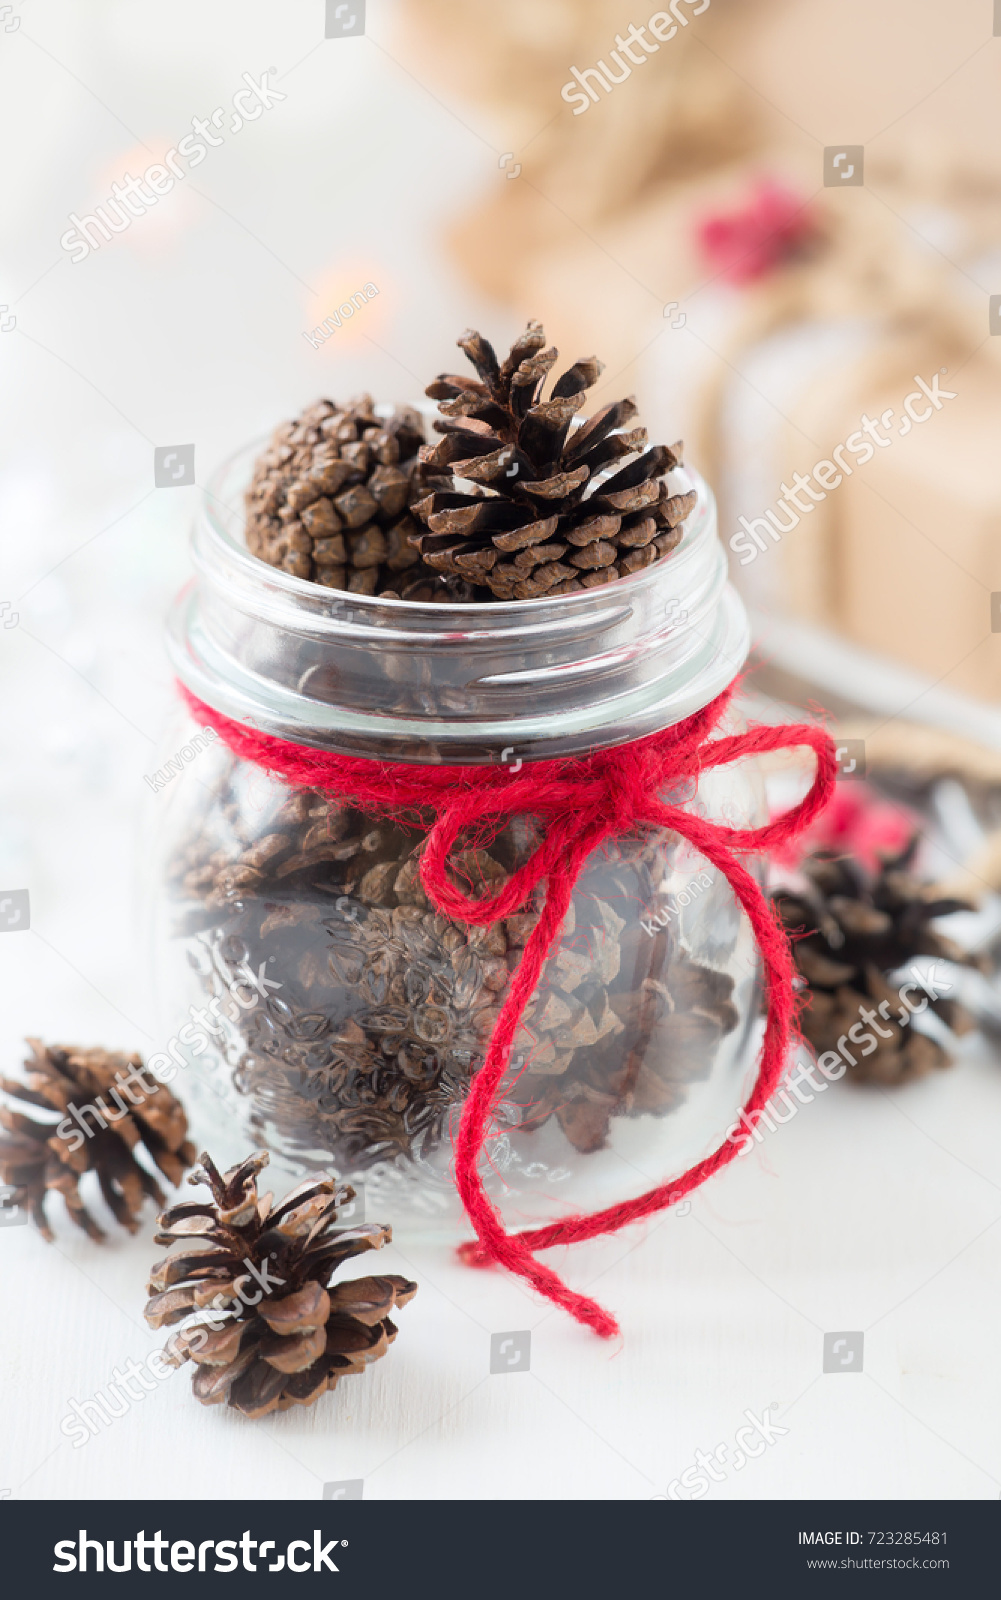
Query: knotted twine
point(582, 802)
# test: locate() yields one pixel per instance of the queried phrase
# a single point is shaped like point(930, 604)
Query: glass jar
point(318, 1005)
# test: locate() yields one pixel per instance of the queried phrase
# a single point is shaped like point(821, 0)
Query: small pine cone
point(329, 498)
point(118, 1114)
point(852, 930)
point(282, 1333)
point(523, 504)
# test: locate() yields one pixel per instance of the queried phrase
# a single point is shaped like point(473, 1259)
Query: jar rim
point(549, 676)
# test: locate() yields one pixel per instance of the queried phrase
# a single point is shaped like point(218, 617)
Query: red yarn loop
point(582, 803)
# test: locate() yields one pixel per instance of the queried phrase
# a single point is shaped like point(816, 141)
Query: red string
point(582, 802)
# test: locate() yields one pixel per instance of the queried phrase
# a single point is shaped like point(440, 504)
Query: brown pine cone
point(311, 836)
point(366, 1052)
point(673, 1026)
point(860, 928)
point(119, 1115)
point(283, 1334)
point(329, 497)
point(517, 499)
point(399, 1001)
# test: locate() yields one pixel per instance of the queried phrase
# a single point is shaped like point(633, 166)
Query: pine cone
point(517, 500)
point(859, 929)
point(386, 1007)
point(37, 1157)
point(329, 496)
point(286, 1335)
point(625, 1026)
point(309, 834)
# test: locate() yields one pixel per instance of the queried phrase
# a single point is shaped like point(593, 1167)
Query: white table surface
point(870, 1211)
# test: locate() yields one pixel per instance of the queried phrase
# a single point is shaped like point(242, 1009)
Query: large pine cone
point(859, 929)
point(517, 501)
point(329, 496)
point(287, 1335)
point(39, 1157)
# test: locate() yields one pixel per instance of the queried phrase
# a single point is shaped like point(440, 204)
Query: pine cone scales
point(859, 929)
point(329, 497)
point(523, 504)
point(39, 1157)
point(595, 1049)
point(284, 1334)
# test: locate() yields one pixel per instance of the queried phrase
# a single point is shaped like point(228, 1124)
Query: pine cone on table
point(38, 1157)
point(859, 929)
point(291, 1334)
point(517, 504)
point(329, 497)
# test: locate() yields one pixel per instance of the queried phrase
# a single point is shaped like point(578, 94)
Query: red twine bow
point(583, 802)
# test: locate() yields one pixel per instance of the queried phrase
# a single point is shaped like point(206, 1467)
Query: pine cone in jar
point(626, 1019)
point(383, 1006)
point(524, 504)
point(409, 998)
point(385, 1009)
point(329, 498)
